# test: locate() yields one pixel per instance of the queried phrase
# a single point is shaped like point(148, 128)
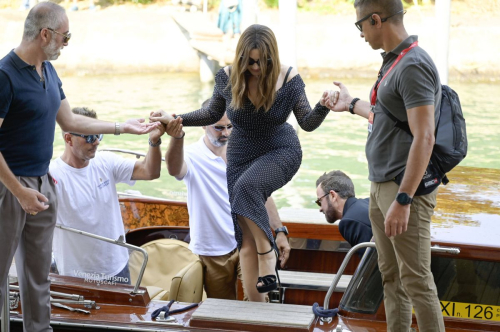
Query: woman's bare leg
point(267, 262)
point(249, 264)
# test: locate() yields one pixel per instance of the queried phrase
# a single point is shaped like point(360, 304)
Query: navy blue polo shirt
point(29, 108)
point(355, 224)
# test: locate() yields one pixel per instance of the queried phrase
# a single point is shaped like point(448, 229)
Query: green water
point(337, 144)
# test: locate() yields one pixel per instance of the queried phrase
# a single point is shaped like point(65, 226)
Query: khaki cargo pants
point(220, 275)
point(405, 262)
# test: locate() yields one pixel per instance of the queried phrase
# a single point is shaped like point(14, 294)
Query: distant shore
point(126, 39)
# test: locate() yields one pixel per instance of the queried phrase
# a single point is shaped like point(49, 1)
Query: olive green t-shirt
point(413, 82)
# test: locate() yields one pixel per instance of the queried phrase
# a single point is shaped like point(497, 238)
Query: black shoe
point(269, 282)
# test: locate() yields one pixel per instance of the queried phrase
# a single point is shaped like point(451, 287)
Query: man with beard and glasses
point(202, 167)
point(31, 101)
point(85, 180)
point(336, 199)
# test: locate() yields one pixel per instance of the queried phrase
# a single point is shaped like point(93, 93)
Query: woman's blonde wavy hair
point(261, 38)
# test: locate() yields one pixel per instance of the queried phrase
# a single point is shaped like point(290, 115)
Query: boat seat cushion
point(156, 293)
point(187, 285)
point(166, 258)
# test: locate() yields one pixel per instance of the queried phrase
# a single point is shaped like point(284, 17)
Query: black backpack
point(450, 147)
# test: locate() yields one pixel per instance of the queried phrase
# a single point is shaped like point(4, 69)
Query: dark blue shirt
point(355, 224)
point(29, 107)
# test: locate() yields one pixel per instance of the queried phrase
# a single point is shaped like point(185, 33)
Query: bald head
point(43, 15)
point(384, 8)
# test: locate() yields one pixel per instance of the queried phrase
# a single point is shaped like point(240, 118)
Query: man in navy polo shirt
point(336, 199)
point(31, 101)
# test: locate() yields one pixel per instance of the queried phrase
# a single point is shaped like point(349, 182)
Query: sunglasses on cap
point(221, 128)
point(90, 138)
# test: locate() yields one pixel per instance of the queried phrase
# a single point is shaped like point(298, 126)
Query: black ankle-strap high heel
point(269, 281)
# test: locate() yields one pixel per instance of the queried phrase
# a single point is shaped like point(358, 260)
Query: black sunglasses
point(90, 138)
point(66, 36)
point(358, 23)
point(318, 201)
point(251, 61)
point(221, 128)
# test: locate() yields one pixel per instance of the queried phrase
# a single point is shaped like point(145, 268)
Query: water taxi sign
point(470, 310)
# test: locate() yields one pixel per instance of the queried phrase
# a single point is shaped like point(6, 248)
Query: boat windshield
point(364, 293)
point(467, 288)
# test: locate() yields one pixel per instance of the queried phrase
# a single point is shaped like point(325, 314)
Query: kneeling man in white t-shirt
point(85, 183)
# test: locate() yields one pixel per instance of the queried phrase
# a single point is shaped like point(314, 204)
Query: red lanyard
point(400, 56)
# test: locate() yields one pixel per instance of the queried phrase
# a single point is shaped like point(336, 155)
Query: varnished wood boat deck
point(251, 316)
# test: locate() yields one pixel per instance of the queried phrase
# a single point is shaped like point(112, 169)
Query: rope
point(320, 312)
point(166, 308)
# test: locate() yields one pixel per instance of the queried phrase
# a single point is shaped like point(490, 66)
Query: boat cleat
point(161, 318)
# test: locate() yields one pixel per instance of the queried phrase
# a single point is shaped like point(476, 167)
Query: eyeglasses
point(221, 128)
point(67, 36)
point(251, 61)
point(318, 201)
point(358, 23)
point(90, 138)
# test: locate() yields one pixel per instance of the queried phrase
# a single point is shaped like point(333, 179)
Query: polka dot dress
point(264, 151)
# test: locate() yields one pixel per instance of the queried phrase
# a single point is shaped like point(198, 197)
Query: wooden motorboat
point(465, 264)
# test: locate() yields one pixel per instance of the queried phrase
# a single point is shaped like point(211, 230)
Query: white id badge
point(371, 117)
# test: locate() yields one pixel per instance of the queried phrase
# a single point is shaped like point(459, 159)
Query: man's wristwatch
point(403, 199)
point(154, 145)
point(281, 229)
point(117, 128)
point(351, 105)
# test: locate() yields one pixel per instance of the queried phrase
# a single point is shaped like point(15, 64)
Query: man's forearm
point(152, 163)
point(362, 108)
point(85, 125)
point(174, 156)
point(418, 159)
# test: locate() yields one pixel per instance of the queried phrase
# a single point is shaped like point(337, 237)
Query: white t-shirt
point(210, 221)
point(87, 200)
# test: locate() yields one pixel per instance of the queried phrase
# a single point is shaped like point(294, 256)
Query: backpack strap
point(286, 76)
point(403, 125)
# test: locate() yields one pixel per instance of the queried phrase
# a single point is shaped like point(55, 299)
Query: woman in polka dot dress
point(264, 151)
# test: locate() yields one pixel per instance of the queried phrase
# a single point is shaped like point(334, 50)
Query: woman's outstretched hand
point(161, 116)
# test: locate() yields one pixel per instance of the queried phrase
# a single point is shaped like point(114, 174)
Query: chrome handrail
point(118, 242)
point(134, 153)
point(336, 280)
point(350, 253)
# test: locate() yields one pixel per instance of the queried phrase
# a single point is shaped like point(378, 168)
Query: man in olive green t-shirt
point(411, 91)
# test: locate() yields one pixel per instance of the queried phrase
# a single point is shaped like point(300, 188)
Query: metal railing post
point(340, 272)
point(118, 242)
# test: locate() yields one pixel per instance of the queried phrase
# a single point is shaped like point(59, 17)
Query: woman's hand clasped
point(174, 128)
point(161, 116)
point(329, 98)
